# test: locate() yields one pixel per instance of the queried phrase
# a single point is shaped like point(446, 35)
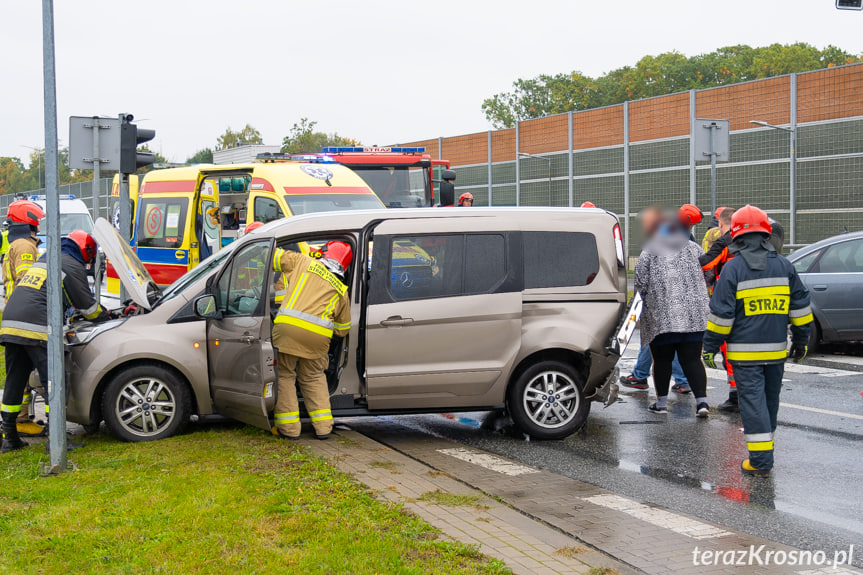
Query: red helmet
point(719, 211)
point(25, 212)
point(588, 205)
point(86, 242)
point(253, 226)
point(689, 215)
point(750, 219)
point(465, 196)
point(338, 251)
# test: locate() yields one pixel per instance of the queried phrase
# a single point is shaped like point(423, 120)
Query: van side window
point(559, 259)
point(448, 265)
point(241, 286)
point(267, 210)
point(426, 266)
point(485, 262)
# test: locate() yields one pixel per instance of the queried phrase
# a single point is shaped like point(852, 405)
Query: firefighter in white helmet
point(316, 307)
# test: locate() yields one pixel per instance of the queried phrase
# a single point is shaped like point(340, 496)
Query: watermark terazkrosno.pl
point(760, 555)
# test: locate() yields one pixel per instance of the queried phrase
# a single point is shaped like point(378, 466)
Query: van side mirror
point(205, 307)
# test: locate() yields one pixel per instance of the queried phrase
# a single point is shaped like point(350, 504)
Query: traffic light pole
point(56, 386)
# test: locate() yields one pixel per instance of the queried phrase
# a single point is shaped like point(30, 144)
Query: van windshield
point(71, 222)
point(313, 203)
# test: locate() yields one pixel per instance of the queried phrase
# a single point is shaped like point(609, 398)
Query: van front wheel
point(547, 401)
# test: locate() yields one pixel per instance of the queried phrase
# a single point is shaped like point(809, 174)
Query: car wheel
point(146, 403)
point(547, 401)
point(814, 337)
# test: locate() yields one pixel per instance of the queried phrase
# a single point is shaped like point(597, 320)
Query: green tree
point(303, 139)
point(233, 138)
point(655, 76)
point(204, 156)
point(13, 176)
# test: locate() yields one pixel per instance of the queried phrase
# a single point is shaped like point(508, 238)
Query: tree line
point(303, 138)
point(667, 73)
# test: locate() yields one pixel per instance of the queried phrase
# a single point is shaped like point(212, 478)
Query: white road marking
point(491, 462)
point(819, 410)
point(815, 370)
point(659, 517)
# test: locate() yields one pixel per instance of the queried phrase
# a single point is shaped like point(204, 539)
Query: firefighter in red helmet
point(758, 294)
point(588, 204)
point(23, 217)
point(317, 308)
point(465, 200)
point(24, 329)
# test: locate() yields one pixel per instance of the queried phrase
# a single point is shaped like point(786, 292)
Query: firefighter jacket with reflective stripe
point(25, 319)
point(21, 256)
point(315, 307)
point(751, 310)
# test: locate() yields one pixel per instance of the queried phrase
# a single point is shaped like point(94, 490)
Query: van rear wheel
point(145, 403)
point(547, 401)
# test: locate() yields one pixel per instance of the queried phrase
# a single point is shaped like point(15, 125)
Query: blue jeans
point(645, 362)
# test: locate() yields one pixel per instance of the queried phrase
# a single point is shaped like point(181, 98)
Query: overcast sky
point(379, 71)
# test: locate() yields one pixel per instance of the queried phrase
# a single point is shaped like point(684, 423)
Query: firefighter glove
point(798, 352)
point(709, 359)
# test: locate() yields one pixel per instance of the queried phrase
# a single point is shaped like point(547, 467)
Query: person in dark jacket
point(24, 329)
point(669, 279)
point(758, 294)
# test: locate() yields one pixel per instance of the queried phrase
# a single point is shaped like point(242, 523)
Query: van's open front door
point(239, 342)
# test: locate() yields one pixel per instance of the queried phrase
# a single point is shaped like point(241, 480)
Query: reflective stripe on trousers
point(757, 351)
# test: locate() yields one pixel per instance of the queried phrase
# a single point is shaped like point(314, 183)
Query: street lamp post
point(792, 221)
point(547, 160)
point(39, 165)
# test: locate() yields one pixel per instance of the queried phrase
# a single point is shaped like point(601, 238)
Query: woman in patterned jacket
point(669, 279)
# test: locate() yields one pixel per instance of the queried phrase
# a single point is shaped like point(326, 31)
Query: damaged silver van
point(452, 310)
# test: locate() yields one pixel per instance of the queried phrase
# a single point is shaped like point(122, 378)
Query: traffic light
point(131, 136)
point(849, 4)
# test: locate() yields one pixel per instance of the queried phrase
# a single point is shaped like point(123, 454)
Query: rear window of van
point(559, 259)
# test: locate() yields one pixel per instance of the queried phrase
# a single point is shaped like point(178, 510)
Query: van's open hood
point(132, 273)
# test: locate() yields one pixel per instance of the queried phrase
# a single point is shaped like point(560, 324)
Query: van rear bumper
point(607, 392)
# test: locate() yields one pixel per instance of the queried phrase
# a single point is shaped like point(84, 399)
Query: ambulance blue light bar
point(44, 197)
point(310, 158)
point(376, 149)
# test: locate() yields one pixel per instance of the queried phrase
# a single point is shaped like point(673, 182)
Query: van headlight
point(85, 333)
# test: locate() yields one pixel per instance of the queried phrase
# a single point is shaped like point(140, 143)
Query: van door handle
point(397, 321)
point(820, 287)
point(247, 339)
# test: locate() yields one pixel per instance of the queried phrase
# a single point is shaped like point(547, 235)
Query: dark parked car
point(832, 269)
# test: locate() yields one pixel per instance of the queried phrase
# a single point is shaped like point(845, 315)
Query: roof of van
point(271, 176)
point(534, 218)
point(69, 206)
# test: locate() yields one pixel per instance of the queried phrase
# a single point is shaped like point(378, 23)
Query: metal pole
point(713, 128)
point(792, 221)
point(693, 180)
point(489, 170)
point(626, 193)
point(517, 169)
point(56, 385)
point(569, 188)
point(97, 169)
point(549, 182)
point(440, 148)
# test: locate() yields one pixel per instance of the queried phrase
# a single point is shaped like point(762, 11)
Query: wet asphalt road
point(814, 500)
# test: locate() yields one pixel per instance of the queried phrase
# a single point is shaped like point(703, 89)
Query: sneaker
point(678, 388)
point(633, 382)
point(702, 409)
point(653, 408)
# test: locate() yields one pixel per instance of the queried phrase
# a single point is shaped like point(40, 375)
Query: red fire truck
point(402, 177)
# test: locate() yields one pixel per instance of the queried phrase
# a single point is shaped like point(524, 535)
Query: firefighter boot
point(747, 469)
point(11, 441)
point(730, 405)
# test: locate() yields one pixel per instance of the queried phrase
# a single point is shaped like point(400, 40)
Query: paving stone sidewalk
point(461, 512)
